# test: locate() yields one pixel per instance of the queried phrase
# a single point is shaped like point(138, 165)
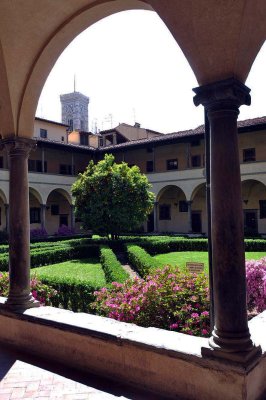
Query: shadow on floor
point(9, 356)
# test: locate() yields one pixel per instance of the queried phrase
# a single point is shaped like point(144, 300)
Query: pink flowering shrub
point(40, 291)
point(256, 284)
point(167, 299)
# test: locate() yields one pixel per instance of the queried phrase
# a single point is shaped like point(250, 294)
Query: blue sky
point(133, 71)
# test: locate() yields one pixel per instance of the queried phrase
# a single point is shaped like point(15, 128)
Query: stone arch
point(63, 192)
point(3, 197)
point(199, 216)
point(200, 187)
point(3, 210)
point(35, 205)
point(254, 206)
point(172, 211)
point(36, 194)
point(169, 187)
point(58, 210)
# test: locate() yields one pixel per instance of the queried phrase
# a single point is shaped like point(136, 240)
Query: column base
point(236, 348)
point(20, 302)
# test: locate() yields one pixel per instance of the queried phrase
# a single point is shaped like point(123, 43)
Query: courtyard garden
point(86, 275)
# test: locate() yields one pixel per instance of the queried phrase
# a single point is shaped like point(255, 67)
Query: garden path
point(122, 257)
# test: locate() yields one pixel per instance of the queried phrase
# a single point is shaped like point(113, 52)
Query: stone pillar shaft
point(155, 216)
point(189, 210)
point(19, 297)
point(43, 211)
point(231, 333)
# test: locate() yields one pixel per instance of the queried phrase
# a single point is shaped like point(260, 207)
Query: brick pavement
point(22, 380)
point(26, 377)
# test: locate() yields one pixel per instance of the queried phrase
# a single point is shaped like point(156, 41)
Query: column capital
point(18, 146)
point(228, 93)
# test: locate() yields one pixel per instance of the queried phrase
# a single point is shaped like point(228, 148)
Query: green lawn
point(89, 270)
point(181, 258)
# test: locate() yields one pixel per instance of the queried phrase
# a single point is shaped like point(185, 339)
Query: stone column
point(72, 216)
point(19, 297)
point(7, 217)
point(230, 337)
point(43, 212)
point(155, 216)
point(189, 214)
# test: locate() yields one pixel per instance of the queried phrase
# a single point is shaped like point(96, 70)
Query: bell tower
point(74, 111)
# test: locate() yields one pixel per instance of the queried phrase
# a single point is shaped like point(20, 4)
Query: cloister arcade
point(220, 43)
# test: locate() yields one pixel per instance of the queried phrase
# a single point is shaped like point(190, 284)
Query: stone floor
point(23, 377)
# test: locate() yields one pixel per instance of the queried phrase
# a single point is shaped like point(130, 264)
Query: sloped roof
point(63, 144)
point(243, 126)
point(200, 130)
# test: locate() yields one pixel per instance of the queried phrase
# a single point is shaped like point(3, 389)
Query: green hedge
point(52, 255)
point(255, 244)
point(175, 244)
point(113, 270)
point(71, 294)
point(141, 260)
point(167, 245)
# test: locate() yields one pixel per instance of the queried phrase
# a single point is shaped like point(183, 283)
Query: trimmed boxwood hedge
point(71, 294)
point(52, 255)
point(114, 272)
point(168, 245)
point(43, 253)
point(141, 260)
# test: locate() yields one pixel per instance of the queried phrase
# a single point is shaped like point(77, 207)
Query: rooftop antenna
point(134, 115)
point(74, 83)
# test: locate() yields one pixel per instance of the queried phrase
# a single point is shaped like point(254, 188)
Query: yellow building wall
point(255, 140)
point(54, 131)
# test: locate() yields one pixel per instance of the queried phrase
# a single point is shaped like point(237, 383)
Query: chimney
point(137, 125)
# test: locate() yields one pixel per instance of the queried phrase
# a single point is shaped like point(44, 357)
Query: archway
point(172, 210)
point(254, 207)
point(198, 210)
point(58, 210)
point(3, 211)
point(35, 204)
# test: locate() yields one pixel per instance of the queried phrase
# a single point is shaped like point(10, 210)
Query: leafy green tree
point(112, 198)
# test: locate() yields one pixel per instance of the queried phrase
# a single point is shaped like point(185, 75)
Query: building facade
point(174, 164)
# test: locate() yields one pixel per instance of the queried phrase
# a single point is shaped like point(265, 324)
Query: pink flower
point(194, 315)
point(174, 326)
point(204, 332)
point(205, 313)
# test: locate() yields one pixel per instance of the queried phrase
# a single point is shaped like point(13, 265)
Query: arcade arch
point(59, 211)
point(254, 207)
point(3, 211)
point(36, 213)
point(198, 210)
point(172, 210)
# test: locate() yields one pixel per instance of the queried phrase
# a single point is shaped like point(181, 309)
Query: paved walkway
point(20, 378)
point(122, 257)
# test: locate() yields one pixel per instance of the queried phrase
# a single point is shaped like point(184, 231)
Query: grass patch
point(85, 270)
point(182, 257)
